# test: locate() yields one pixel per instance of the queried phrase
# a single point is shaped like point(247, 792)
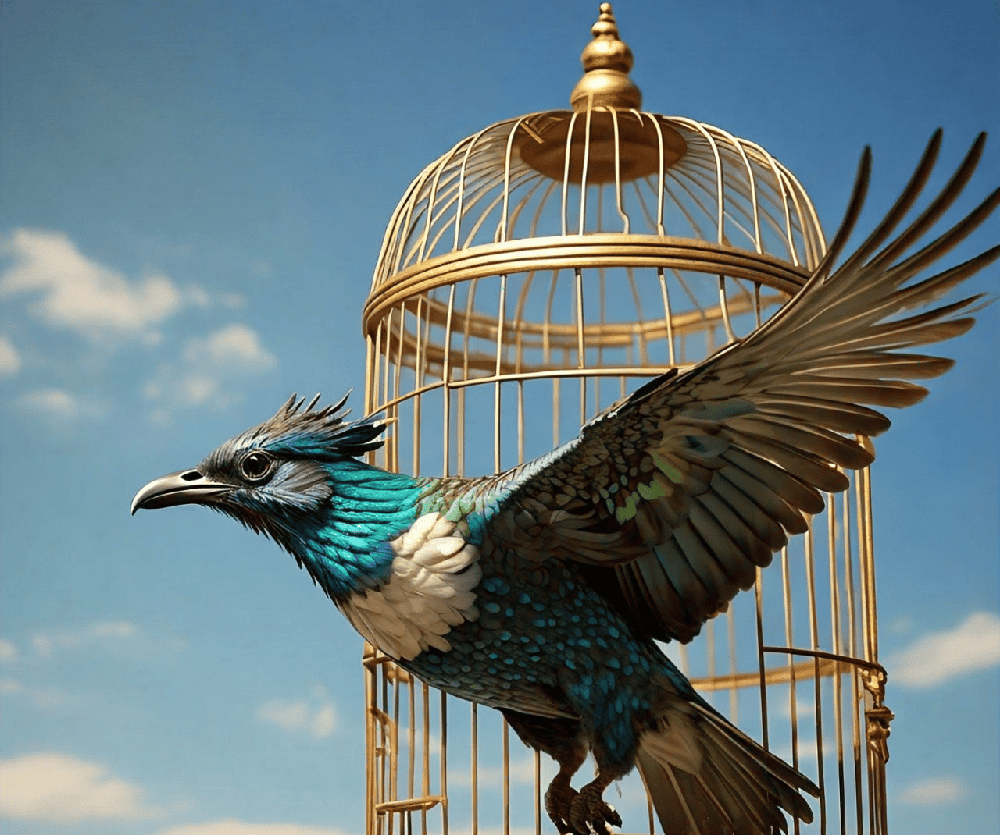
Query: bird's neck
point(347, 549)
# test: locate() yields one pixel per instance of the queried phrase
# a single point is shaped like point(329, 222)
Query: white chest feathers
point(429, 591)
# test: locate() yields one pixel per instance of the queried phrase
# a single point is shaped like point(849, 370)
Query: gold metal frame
point(541, 269)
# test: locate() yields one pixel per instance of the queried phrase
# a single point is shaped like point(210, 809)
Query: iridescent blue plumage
point(542, 591)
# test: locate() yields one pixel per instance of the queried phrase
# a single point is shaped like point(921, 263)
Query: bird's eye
point(256, 466)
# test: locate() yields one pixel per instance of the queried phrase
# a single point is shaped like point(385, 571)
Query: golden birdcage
point(535, 273)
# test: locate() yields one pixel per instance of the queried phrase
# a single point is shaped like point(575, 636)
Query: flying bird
point(541, 591)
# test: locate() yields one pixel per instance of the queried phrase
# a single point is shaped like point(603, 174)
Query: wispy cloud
point(59, 286)
point(59, 788)
point(234, 346)
point(59, 405)
point(8, 651)
point(10, 358)
point(72, 291)
point(231, 826)
point(107, 632)
point(972, 645)
point(44, 698)
point(208, 366)
point(316, 716)
point(935, 791)
point(10, 687)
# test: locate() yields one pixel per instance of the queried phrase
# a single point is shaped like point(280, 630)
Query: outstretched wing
point(674, 497)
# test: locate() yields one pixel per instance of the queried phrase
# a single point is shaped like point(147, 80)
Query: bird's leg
point(589, 812)
point(560, 797)
point(564, 741)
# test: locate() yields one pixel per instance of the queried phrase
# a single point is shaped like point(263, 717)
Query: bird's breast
point(429, 591)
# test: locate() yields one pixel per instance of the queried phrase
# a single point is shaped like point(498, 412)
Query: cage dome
point(598, 189)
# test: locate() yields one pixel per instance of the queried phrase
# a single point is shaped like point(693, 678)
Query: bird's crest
point(299, 430)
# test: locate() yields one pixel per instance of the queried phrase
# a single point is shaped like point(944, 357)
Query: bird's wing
point(673, 498)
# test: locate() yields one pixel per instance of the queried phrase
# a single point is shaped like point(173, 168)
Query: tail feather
point(731, 801)
point(686, 806)
point(744, 788)
point(736, 788)
point(785, 781)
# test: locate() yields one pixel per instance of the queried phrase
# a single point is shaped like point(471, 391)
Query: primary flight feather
point(541, 591)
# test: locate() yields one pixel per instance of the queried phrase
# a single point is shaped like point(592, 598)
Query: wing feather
point(690, 484)
point(826, 445)
point(765, 523)
point(784, 486)
point(731, 546)
point(745, 537)
point(819, 412)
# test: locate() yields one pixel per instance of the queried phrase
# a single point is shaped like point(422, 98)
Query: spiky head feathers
point(304, 431)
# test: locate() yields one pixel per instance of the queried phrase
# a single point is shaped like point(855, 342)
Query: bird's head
point(279, 478)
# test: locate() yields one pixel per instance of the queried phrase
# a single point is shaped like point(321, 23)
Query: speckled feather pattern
point(546, 643)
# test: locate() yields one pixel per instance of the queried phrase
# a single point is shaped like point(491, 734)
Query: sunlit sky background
point(192, 199)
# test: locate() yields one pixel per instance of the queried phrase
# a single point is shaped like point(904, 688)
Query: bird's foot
point(589, 813)
point(559, 797)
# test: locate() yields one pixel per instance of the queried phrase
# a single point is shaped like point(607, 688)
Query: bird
point(544, 591)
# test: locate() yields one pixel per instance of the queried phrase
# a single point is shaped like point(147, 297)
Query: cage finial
point(607, 61)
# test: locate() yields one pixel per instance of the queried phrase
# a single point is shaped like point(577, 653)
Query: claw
point(589, 813)
point(559, 799)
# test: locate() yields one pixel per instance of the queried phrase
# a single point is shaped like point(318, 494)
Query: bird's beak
point(184, 487)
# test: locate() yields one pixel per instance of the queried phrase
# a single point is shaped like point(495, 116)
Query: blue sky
point(192, 199)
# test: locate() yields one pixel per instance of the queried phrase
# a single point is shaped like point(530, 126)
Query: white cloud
point(208, 365)
point(56, 787)
point(934, 791)
point(42, 699)
point(231, 826)
point(317, 717)
point(972, 645)
point(45, 643)
point(62, 287)
point(8, 651)
point(10, 358)
point(58, 405)
point(56, 401)
point(9, 687)
point(324, 722)
point(113, 629)
point(300, 716)
point(234, 346)
point(77, 293)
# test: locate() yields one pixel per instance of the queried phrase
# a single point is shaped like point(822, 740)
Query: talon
point(559, 799)
point(589, 812)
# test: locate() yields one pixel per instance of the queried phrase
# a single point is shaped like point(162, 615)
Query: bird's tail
point(706, 777)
